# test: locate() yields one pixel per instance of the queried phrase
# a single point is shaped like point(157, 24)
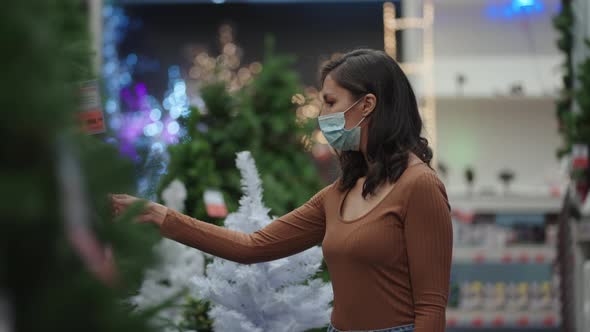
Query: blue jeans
point(404, 328)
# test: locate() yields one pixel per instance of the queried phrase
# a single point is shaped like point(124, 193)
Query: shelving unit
point(503, 256)
point(519, 263)
point(545, 319)
point(507, 204)
point(574, 256)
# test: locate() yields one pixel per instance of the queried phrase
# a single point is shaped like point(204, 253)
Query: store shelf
point(495, 272)
point(494, 204)
point(514, 264)
point(507, 255)
point(503, 319)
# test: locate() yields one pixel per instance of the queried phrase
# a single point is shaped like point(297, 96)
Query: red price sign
point(91, 116)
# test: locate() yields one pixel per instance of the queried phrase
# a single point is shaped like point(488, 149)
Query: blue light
point(218, 1)
point(158, 147)
point(173, 127)
point(111, 106)
point(125, 79)
point(109, 68)
point(107, 11)
point(115, 123)
point(174, 72)
point(179, 89)
point(151, 129)
point(515, 9)
point(167, 103)
point(132, 59)
point(175, 112)
point(109, 51)
point(523, 3)
point(155, 114)
point(159, 127)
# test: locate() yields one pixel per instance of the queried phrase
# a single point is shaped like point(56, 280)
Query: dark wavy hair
point(395, 123)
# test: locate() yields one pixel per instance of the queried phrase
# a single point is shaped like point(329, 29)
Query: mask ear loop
point(363, 119)
point(358, 124)
point(353, 105)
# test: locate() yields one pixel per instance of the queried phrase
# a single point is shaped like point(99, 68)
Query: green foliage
point(575, 126)
point(259, 118)
point(205, 160)
point(563, 23)
point(288, 174)
point(196, 315)
point(42, 277)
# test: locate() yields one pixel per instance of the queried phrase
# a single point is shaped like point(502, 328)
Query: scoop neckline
point(343, 197)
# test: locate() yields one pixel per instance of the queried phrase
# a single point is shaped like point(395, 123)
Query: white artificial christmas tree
point(265, 297)
point(171, 279)
point(174, 195)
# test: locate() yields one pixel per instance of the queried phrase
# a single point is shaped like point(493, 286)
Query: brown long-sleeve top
point(390, 267)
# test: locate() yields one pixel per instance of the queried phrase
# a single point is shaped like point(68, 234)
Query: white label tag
point(215, 203)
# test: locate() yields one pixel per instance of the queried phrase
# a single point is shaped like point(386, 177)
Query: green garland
point(563, 22)
point(573, 126)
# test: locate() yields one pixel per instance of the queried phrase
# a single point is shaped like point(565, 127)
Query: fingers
point(144, 219)
point(120, 203)
point(124, 200)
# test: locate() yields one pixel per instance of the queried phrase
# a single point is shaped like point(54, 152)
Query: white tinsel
point(174, 195)
point(171, 278)
point(268, 296)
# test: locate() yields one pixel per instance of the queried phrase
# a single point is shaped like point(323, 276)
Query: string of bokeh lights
point(138, 119)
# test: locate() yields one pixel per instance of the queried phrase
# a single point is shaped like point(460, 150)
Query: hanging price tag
point(579, 156)
point(215, 203)
point(91, 116)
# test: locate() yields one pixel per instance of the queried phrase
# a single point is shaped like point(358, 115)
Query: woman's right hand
point(153, 213)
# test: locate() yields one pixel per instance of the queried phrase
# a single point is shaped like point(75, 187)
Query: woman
point(384, 225)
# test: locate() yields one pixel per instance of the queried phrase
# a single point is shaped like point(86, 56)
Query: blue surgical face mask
point(332, 126)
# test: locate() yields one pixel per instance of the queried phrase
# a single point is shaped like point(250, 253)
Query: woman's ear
point(370, 103)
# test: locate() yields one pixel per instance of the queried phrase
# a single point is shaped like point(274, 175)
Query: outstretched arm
point(294, 232)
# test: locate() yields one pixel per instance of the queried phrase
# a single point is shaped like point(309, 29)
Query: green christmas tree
point(288, 172)
point(199, 160)
point(260, 118)
point(57, 238)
